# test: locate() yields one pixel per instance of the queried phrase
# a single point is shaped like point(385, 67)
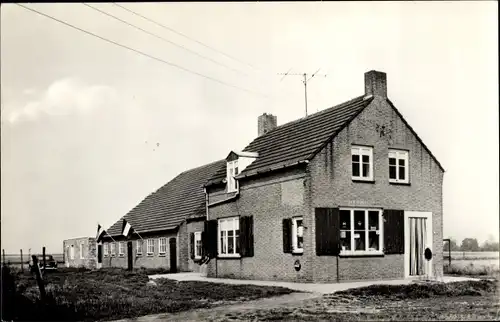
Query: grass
point(471, 300)
point(108, 294)
point(472, 270)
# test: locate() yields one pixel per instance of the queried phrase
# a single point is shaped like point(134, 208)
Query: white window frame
point(367, 230)
point(113, 249)
point(232, 171)
point(121, 249)
point(72, 252)
point(81, 251)
point(362, 150)
point(138, 246)
point(150, 247)
point(236, 226)
point(162, 243)
point(399, 155)
point(105, 249)
point(295, 247)
point(197, 238)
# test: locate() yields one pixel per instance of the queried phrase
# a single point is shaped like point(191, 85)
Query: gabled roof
point(177, 200)
point(298, 141)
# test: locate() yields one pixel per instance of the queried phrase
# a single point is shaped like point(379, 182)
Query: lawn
point(472, 300)
point(109, 294)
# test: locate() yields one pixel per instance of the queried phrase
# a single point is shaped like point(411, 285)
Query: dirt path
point(216, 313)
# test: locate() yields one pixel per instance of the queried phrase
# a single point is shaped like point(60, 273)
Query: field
point(110, 294)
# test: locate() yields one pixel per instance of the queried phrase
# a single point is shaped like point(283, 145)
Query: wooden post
point(43, 254)
point(22, 264)
point(3, 254)
point(38, 276)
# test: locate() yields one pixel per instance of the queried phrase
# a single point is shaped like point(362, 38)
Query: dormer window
point(232, 171)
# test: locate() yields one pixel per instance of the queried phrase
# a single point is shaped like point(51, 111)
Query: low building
point(80, 252)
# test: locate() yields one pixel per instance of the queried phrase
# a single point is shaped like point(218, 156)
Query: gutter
point(223, 201)
point(252, 174)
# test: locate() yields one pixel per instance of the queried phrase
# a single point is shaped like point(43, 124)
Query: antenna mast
point(305, 81)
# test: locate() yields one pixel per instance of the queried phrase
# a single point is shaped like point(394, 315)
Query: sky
point(88, 128)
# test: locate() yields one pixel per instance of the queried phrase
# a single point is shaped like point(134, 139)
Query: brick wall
point(269, 200)
point(89, 253)
point(332, 186)
point(143, 260)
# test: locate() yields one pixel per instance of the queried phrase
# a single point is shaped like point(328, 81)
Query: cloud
point(63, 97)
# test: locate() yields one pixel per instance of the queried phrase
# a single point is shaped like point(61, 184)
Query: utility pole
point(305, 81)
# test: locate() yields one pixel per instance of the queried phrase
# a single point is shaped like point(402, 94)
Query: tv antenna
point(304, 81)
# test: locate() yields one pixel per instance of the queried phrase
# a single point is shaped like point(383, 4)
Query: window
point(105, 246)
point(362, 163)
point(162, 242)
point(112, 251)
point(72, 252)
point(229, 231)
point(398, 166)
point(297, 235)
point(121, 248)
point(138, 246)
point(81, 251)
point(197, 245)
point(151, 247)
point(360, 231)
point(232, 171)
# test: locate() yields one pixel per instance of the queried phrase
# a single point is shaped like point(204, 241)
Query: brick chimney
point(266, 122)
point(376, 83)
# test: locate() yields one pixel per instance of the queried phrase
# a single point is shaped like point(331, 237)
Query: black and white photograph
point(250, 161)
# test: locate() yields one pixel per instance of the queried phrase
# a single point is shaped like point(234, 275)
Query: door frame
point(172, 247)
point(429, 227)
point(130, 255)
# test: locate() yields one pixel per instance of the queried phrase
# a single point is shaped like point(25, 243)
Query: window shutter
point(287, 235)
point(191, 240)
point(211, 238)
point(246, 236)
point(203, 243)
point(394, 231)
point(327, 231)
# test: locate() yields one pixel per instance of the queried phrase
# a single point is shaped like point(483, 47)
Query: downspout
point(206, 218)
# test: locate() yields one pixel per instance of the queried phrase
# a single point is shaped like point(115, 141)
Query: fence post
point(22, 264)
point(43, 254)
point(38, 276)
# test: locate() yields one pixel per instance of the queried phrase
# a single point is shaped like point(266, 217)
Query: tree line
point(472, 245)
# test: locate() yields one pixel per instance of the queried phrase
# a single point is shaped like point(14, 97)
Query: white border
point(418, 214)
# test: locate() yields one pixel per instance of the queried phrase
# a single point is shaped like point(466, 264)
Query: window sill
point(150, 255)
point(121, 255)
point(139, 255)
point(363, 181)
point(361, 254)
point(400, 183)
point(162, 254)
point(236, 256)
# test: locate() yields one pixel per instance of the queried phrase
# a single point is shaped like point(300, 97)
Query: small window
point(105, 247)
point(121, 248)
point(138, 246)
point(398, 166)
point(113, 252)
point(151, 247)
point(162, 242)
point(81, 250)
point(232, 171)
point(229, 234)
point(362, 163)
point(197, 245)
point(297, 235)
point(72, 252)
point(360, 231)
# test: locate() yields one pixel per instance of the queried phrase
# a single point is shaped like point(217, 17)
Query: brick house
point(167, 226)
point(80, 252)
point(348, 193)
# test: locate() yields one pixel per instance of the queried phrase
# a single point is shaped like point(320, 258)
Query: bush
point(471, 270)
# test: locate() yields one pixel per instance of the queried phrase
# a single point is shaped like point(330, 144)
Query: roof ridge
point(316, 114)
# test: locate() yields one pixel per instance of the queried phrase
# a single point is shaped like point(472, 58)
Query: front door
point(173, 255)
point(418, 237)
point(99, 256)
point(129, 255)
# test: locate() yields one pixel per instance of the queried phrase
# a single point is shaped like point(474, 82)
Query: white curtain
point(418, 233)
